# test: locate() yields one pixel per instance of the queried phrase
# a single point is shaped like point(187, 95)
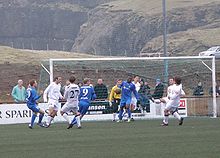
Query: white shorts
point(67, 107)
point(170, 106)
point(53, 104)
point(134, 102)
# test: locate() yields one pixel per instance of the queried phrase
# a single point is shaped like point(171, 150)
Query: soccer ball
point(118, 91)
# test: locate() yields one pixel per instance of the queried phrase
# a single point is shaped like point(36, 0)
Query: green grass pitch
point(197, 138)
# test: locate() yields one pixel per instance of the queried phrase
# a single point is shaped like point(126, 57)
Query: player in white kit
point(165, 99)
point(173, 101)
point(52, 95)
point(71, 95)
point(137, 84)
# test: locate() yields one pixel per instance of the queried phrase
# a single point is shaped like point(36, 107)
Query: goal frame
point(212, 69)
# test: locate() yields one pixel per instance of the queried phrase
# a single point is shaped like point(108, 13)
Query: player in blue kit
point(127, 89)
point(87, 94)
point(31, 100)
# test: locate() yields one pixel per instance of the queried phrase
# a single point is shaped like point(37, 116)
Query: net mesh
point(192, 71)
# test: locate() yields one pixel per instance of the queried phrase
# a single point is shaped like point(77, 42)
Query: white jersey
point(52, 92)
point(175, 93)
point(137, 86)
point(133, 98)
point(169, 89)
point(71, 93)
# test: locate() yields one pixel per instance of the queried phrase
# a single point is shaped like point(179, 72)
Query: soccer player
point(53, 93)
point(115, 98)
point(71, 95)
point(165, 99)
point(87, 94)
point(137, 84)
point(127, 89)
point(31, 100)
point(173, 102)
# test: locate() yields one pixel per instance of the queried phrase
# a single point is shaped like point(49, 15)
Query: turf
point(197, 138)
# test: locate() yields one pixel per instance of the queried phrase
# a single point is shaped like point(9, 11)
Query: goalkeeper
point(115, 98)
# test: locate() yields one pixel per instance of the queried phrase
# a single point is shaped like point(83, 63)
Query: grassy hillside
point(24, 64)
point(155, 6)
point(189, 42)
point(10, 55)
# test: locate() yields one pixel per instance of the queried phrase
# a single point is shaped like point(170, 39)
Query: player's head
point(33, 83)
point(136, 79)
point(57, 79)
point(118, 82)
point(86, 81)
point(129, 80)
point(72, 79)
point(177, 80)
point(171, 81)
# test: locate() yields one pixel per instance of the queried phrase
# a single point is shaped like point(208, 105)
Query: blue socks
point(33, 119)
point(40, 118)
point(129, 113)
point(120, 113)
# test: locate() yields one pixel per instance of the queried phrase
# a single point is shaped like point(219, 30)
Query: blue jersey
point(127, 89)
point(32, 96)
point(87, 94)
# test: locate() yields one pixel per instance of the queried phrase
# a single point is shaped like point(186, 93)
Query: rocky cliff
point(109, 27)
point(43, 24)
point(113, 31)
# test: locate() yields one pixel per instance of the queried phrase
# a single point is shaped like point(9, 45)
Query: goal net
point(198, 78)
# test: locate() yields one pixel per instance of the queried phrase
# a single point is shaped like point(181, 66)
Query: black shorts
point(115, 105)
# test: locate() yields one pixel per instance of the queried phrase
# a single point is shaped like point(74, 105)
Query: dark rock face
point(42, 24)
point(40, 28)
point(89, 26)
point(113, 33)
point(125, 32)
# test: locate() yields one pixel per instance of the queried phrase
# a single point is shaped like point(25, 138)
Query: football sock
point(49, 119)
point(176, 114)
point(120, 114)
point(40, 118)
point(165, 120)
point(114, 115)
point(142, 110)
point(33, 119)
point(124, 113)
point(78, 121)
point(65, 116)
point(129, 113)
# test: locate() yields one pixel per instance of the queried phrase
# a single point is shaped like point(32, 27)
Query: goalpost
point(190, 66)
